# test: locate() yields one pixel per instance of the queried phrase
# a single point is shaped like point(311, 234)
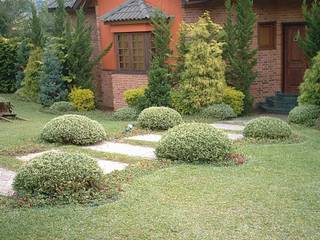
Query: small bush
point(194, 142)
point(159, 118)
point(218, 111)
point(135, 98)
point(73, 129)
point(66, 177)
point(267, 128)
point(82, 99)
point(62, 107)
point(304, 115)
point(234, 98)
point(125, 114)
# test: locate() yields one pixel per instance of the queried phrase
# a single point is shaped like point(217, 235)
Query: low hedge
point(218, 111)
point(62, 106)
point(57, 176)
point(304, 115)
point(267, 128)
point(159, 118)
point(73, 129)
point(125, 114)
point(194, 142)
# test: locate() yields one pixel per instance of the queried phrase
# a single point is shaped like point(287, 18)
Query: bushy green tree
point(8, 51)
point(311, 43)
point(59, 18)
point(79, 51)
point(158, 91)
point(240, 57)
point(36, 35)
point(23, 52)
point(30, 84)
point(310, 88)
point(202, 80)
point(52, 86)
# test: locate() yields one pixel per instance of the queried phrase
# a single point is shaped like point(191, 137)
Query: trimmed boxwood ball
point(125, 114)
point(194, 142)
point(73, 129)
point(267, 128)
point(159, 118)
point(218, 111)
point(62, 106)
point(67, 177)
point(304, 115)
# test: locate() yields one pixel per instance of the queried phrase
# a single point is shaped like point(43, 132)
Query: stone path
point(126, 149)
point(110, 166)
point(146, 138)
point(6, 180)
point(234, 136)
point(228, 127)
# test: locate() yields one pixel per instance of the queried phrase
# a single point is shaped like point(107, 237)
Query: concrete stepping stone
point(146, 138)
point(125, 149)
point(229, 127)
point(31, 156)
point(233, 136)
point(6, 181)
point(110, 166)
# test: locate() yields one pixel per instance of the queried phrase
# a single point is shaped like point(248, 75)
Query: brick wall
point(269, 61)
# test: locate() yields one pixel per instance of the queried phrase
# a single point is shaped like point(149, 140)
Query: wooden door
point(295, 62)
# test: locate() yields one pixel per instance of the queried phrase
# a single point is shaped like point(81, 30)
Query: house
point(126, 23)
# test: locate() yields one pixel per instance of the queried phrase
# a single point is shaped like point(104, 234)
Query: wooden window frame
point(274, 32)
point(147, 52)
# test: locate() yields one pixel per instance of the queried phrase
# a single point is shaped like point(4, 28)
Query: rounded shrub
point(73, 129)
point(125, 114)
point(234, 98)
point(62, 106)
point(304, 114)
point(194, 142)
point(60, 176)
point(267, 128)
point(159, 118)
point(218, 111)
point(82, 99)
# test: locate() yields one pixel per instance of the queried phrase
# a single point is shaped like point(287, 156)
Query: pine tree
point(311, 43)
point(79, 51)
point(52, 86)
point(239, 55)
point(36, 29)
point(59, 18)
point(158, 91)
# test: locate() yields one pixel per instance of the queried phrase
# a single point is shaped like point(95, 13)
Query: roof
point(132, 10)
point(67, 3)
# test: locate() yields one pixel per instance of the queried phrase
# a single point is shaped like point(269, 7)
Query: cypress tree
point(52, 86)
point(239, 55)
point(158, 91)
point(36, 30)
point(59, 18)
point(311, 43)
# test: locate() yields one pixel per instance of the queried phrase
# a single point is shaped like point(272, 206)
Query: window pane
point(133, 50)
point(267, 36)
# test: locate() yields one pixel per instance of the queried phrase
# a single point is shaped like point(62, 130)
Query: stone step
point(6, 181)
point(146, 138)
point(228, 127)
point(125, 149)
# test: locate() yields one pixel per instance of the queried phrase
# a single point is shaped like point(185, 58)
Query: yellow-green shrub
point(135, 98)
point(234, 98)
point(82, 99)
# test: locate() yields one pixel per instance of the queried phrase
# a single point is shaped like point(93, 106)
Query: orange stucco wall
point(106, 31)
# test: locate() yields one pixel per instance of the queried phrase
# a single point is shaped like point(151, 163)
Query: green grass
point(275, 195)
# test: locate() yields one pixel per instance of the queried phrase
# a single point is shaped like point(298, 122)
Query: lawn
point(275, 195)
